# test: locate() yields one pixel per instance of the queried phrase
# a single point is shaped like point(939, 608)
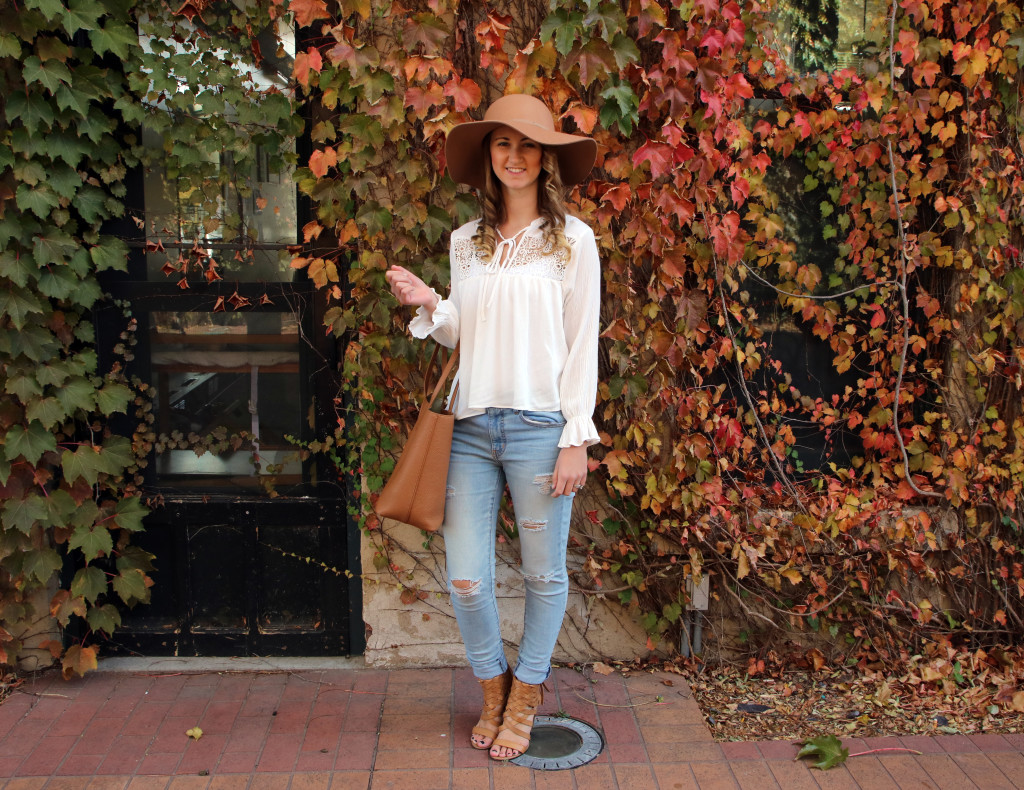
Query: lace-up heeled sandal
point(523, 701)
point(495, 693)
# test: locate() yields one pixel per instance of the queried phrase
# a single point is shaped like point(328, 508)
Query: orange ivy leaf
point(306, 62)
point(78, 660)
point(465, 92)
point(583, 116)
point(422, 101)
point(308, 11)
point(322, 161)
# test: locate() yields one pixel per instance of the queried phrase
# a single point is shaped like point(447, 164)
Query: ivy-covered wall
point(78, 80)
point(751, 193)
point(757, 202)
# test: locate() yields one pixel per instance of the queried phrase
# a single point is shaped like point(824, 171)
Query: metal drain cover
point(558, 743)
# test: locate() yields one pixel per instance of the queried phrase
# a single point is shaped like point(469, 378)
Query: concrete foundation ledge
point(217, 664)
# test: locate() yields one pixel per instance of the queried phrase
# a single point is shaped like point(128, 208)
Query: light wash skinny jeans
point(519, 448)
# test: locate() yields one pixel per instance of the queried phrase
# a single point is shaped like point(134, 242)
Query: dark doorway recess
point(233, 579)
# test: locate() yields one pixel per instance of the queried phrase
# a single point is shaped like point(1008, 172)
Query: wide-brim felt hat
point(530, 117)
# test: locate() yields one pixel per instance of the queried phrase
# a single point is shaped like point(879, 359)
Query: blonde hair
point(550, 204)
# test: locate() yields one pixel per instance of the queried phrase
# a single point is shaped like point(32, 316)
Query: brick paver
point(408, 730)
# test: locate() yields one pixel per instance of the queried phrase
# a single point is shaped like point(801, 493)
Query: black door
point(254, 551)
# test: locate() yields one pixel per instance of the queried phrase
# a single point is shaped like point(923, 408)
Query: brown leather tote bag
point(416, 490)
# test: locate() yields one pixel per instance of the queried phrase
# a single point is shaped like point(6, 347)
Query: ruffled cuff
point(579, 430)
point(423, 325)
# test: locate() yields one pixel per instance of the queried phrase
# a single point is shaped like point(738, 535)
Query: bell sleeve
point(443, 325)
point(581, 317)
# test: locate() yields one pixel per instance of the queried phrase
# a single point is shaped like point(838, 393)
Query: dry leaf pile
point(962, 693)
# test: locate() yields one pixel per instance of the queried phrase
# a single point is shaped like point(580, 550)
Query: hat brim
point(464, 150)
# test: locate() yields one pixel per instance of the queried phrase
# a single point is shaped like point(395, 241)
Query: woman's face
point(515, 159)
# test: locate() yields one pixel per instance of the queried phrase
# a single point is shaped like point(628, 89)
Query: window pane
point(830, 34)
point(211, 213)
point(230, 376)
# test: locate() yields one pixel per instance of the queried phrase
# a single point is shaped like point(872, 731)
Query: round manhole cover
point(558, 743)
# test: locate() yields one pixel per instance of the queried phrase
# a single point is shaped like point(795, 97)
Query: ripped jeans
point(488, 450)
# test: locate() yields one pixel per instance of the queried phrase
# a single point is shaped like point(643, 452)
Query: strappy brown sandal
point(523, 701)
point(495, 694)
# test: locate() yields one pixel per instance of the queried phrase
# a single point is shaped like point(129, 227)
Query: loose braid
point(550, 204)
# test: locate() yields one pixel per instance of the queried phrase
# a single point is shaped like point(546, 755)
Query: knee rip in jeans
point(532, 525)
point(543, 578)
point(464, 588)
point(449, 492)
point(543, 482)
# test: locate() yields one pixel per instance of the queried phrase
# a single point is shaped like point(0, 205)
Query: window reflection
point(230, 376)
point(824, 35)
point(228, 216)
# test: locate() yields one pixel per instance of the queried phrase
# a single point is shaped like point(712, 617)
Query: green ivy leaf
point(129, 513)
point(564, 26)
point(64, 180)
point(104, 618)
point(130, 584)
point(41, 563)
point(47, 411)
point(10, 47)
point(374, 217)
point(116, 455)
point(70, 99)
point(50, 74)
point(29, 443)
point(81, 15)
point(5, 473)
point(38, 344)
point(438, 222)
point(90, 583)
point(29, 171)
point(33, 110)
point(90, 203)
point(16, 267)
point(76, 393)
point(134, 558)
point(83, 463)
point(21, 514)
point(40, 200)
point(624, 50)
point(111, 253)
point(85, 515)
point(53, 10)
point(23, 384)
point(18, 305)
point(67, 146)
point(60, 508)
point(55, 247)
point(827, 749)
point(58, 282)
point(94, 541)
point(113, 397)
point(114, 37)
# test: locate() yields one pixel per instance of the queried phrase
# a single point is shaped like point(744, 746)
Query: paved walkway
point(362, 729)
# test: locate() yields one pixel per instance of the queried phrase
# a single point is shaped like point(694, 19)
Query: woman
point(524, 303)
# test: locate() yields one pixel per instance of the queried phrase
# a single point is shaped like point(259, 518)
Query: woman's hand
point(410, 289)
point(570, 471)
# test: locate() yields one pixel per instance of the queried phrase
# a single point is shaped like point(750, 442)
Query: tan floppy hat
point(528, 116)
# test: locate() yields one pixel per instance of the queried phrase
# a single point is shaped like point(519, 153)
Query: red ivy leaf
point(465, 92)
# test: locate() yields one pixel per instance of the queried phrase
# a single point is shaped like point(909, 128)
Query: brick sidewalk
point(360, 729)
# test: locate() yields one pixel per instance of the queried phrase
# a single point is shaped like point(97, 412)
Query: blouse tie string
point(499, 262)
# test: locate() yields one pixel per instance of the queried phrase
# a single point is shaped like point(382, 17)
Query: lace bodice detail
point(533, 257)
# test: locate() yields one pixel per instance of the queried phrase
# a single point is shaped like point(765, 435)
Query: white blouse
point(528, 322)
